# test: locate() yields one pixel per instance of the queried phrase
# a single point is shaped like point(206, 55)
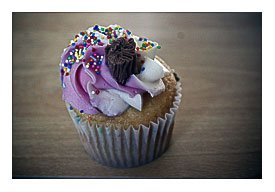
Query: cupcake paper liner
point(124, 148)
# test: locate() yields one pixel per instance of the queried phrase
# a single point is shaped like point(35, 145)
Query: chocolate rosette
point(120, 58)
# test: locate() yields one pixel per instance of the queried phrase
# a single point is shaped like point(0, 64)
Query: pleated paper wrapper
point(124, 148)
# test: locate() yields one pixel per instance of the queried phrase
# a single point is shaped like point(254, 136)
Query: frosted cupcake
point(121, 97)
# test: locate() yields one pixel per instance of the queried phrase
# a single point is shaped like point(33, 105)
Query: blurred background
point(218, 129)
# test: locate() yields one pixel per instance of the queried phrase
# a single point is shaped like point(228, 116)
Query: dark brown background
point(218, 131)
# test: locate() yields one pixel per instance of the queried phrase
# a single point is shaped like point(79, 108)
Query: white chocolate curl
point(135, 101)
point(151, 70)
point(151, 76)
point(109, 103)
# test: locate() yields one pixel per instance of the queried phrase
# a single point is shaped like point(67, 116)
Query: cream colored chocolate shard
point(165, 70)
point(135, 101)
point(151, 71)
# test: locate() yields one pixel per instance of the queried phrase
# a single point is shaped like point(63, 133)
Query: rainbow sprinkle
point(95, 62)
point(112, 32)
point(100, 35)
point(146, 45)
point(139, 59)
point(77, 118)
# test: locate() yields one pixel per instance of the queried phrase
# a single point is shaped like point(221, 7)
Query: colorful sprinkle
point(99, 36)
point(96, 28)
point(77, 119)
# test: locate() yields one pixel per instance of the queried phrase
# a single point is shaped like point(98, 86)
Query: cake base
point(130, 147)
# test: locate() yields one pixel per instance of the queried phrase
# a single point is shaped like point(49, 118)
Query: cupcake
point(121, 97)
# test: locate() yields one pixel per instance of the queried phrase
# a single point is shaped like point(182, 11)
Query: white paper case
point(127, 147)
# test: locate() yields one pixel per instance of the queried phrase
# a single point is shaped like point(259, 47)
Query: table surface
point(218, 129)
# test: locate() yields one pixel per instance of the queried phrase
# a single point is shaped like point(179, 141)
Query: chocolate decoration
point(176, 76)
point(120, 57)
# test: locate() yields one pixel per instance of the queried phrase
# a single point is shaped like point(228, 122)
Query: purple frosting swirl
point(75, 84)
